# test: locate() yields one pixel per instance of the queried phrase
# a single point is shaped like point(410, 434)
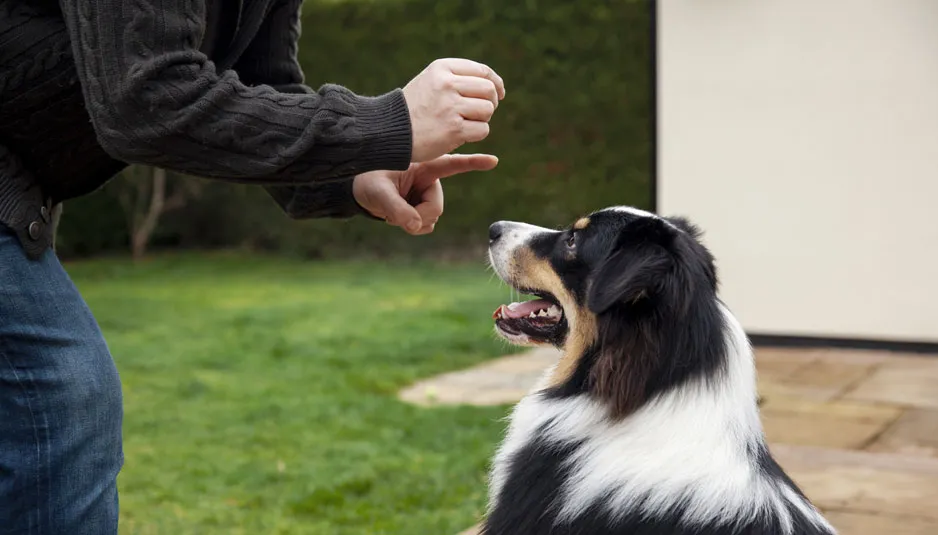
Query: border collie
point(648, 423)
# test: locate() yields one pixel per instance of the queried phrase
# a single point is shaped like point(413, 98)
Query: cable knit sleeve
point(155, 99)
point(271, 59)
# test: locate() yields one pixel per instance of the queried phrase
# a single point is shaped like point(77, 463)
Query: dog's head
point(622, 291)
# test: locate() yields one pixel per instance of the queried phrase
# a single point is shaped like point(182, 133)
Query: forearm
point(154, 99)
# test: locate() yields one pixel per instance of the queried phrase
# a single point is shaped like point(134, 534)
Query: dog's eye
point(571, 241)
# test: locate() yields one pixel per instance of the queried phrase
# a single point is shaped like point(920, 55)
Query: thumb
point(400, 213)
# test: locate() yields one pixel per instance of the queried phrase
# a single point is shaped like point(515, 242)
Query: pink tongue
point(523, 310)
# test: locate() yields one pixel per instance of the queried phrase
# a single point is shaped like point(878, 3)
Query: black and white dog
point(648, 423)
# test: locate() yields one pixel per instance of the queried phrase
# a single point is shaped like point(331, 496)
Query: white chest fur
point(690, 447)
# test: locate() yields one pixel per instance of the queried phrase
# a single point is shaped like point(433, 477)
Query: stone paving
point(857, 430)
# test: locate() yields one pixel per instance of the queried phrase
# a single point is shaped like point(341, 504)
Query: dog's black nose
point(495, 232)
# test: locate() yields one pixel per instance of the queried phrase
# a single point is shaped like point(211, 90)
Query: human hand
point(413, 199)
point(451, 102)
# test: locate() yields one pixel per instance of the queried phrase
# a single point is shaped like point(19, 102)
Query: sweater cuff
point(337, 199)
point(333, 199)
point(385, 130)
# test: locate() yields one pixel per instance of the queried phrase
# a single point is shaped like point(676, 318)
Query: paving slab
point(770, 387)
point(780, 364)
point(833, 424)
point(788, 354)
point(914, 433)
point(866, 482)
point(818, 430)
point(852, 410)
point(834, 374)
point(852, 523)
point(499, 382)
point(908, 382)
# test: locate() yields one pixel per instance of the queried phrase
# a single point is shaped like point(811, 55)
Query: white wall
point(802, 135)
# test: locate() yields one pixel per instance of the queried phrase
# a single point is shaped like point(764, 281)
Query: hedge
point(573, 134)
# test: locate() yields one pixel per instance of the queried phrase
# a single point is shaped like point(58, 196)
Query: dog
point(648, 423)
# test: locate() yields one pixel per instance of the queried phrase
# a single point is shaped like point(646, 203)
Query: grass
point(260, 393)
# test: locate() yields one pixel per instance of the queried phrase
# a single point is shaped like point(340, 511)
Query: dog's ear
point(636, 268)
point(685, 225)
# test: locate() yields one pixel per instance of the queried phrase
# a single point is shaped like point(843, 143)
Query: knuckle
point(483, 132)
point(443, 65)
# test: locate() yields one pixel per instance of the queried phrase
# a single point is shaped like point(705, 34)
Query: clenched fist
point(451, 103)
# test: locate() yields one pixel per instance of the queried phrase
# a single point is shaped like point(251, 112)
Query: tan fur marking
point(537, 273)
point(581, 223)
point(581, 336)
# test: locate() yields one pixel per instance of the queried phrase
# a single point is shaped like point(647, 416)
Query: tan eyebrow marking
point(581, 223)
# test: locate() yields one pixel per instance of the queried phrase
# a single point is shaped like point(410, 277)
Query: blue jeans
point(60, 404)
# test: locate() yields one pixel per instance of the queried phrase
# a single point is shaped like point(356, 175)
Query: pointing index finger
point(453, 164)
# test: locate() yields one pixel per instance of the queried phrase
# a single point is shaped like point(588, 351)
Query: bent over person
point(204, 87)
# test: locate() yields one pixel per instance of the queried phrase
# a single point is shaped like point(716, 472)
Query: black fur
point(653, 288)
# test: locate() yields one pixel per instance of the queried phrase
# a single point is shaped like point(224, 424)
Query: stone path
point(857, 430)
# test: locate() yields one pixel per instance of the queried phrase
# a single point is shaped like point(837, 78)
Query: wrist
point(355, 183)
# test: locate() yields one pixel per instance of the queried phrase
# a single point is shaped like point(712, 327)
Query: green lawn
point(259, 393)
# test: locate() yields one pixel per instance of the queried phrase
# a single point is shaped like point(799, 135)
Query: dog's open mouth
point(538, 321)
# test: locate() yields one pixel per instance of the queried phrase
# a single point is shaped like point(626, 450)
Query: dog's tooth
point(542, 312)
point(532, 315)
point(553, 311)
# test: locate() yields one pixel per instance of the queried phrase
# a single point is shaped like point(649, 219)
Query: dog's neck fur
point(695, 449)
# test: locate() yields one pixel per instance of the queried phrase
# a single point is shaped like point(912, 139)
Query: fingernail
point(413, 226)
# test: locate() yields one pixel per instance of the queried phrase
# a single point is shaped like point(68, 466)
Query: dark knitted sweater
point(88, 86)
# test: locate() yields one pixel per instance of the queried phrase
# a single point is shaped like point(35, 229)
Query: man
point(205, 87)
